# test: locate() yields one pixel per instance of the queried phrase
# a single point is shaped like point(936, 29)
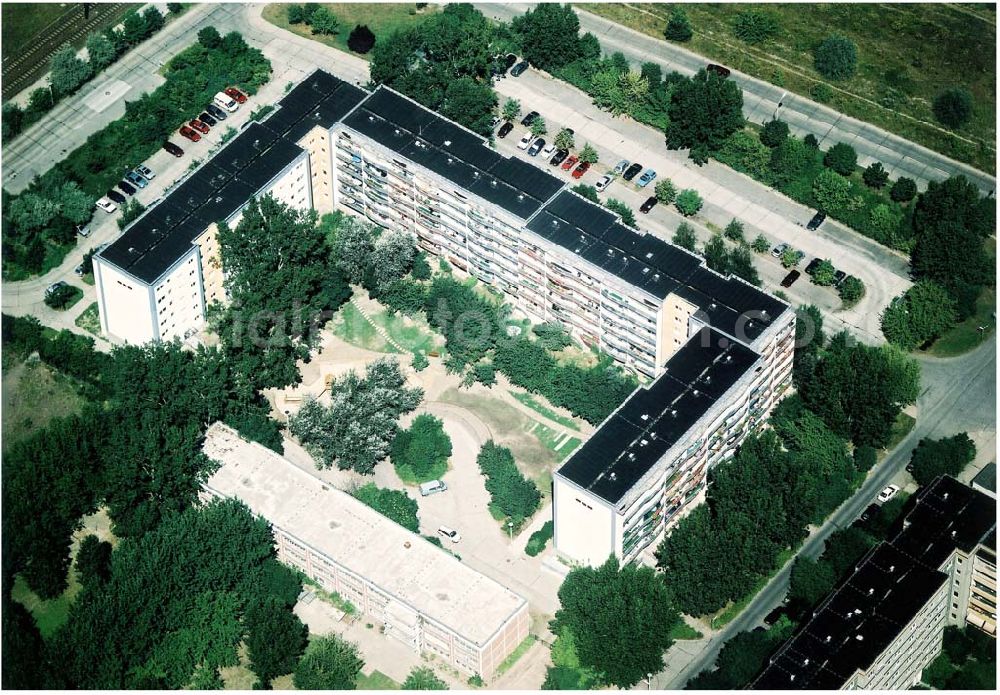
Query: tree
point(741, 265)
point(754, 26)
point(875, 176)
point(421, 452)
point(841, 158)
point(688, 202)
point(939, 672)
point(392, 256)
point(361, 39)
point(67, 72)
point(825, 274)
point(918, 316)
point(789, 161)
point(810, 581)
point(588, 154)
point(760, 244)
point(153, 20)
point(23, 649)
point(837, 58)
point(61, 296)
point(653, 74)
point(351, 242)
point(904, 190)
point(703, 111)
point(539, 127)
point(623, 210)
point(324, 22)
point(588, 192)
point(716, 255)
point(93, 560)
point(131, 210)
point(419, 362)
point(549, 35)
point(175, 7)
point(30, 211)
point(329, 663)
point(13, 120)
point(620, 618)
point(665, 191)
point(685, 236)
point(209, 38)
point(512, 109)
point(472, 104)
point(511, 494)
point(745, 152)
point(734, 231)
point(423, 678)
point(552, 335)
point(100, 51)
point(809, 340)
point(275, 638)
point(564, 139)
point(953, 107)
point(831, 190)
point(393, 504)
point(678, 27)
point(946, 456)
point(774, 133)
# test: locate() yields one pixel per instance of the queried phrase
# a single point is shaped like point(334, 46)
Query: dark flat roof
point(452, 152)
point(320, 99)
point(987, 478)
point(654, 417)
point(656, 266)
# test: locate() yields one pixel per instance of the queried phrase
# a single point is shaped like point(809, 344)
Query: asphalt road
point(761, 103)
point(959, 394)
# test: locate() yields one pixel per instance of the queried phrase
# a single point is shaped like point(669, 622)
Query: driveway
point(727, 195)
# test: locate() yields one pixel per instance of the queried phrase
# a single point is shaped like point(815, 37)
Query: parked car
point(207, 119)
point(549, 150)
point(217, 113)
point(83, 230)
point(536, 147)
point(450, 533)
point(816, 221)
point(632, 171)
point(791, 278)
point(199, 126)
point(604, 182)
point(505, 129)
point(236, 94)
point(54, 287)
point(646, 178)
point(495, 122)
point(813, 265)
point(525, 141)
point(621, 166)
point(838, 277)
point(224, 101)
point(778, 250)
point(115, 196)
point(509, 61)
point(774, 616)
point(650, 203)
point(105, 203)
point(126, 187)
point(145, 172)
point(431, 487)
point(581, 170)
point(189, 133)
point(718, 70)
point(138, 181)
point(558, 157)
point(529, 119)
point(173, 149)
point(78, 271)
point(888, 492)
point(518, 69)
point(870, 511)
point(570, 162)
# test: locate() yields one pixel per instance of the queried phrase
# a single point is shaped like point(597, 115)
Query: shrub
point(623, 210)
point(61, 296)
point(760, 244)
point(392, 504)
point(678, 27)
point(841, 158)
point(811, 142)
point(831, 190)
point(851, 291)
point(821, 92)
point(361, 39)
point(904, 190)
point(953, 107)
point(865, 458)
point(688, 202)
point(324, 22)
point(588, 192)
point(774, 133)
point(685, 237)
point(837, 58)
point(875, 175)
point(754, 26)
point(587, 154)
point(539, 539)
point(825, 274)
point(421, 452)
point(419, 362)
point(665, 191)
point(734, 231)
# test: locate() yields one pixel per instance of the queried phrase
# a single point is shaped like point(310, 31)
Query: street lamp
point(510, 530)
point(649, 681)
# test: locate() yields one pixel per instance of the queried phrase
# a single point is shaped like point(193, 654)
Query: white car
point(525, 141)
point(145, 172)
point(83, 230)
point(888, 493)
point(106, 205)
point(604, 182)
point(450, 533)
point(549, 150)
point(621, 166)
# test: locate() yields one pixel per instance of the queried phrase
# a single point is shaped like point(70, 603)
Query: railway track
point(28, 64)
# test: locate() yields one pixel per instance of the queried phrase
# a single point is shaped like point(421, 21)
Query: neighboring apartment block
point(414, 591)
point(883, 625)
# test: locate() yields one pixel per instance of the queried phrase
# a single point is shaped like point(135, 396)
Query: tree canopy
point(329, 663)
point(704, 111)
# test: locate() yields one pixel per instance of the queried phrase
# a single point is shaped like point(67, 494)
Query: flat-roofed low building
point(420, 594)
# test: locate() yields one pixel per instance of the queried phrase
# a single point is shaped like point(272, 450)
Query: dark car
point(870, 512)
point(558, 157)
point(190, 133)
point(205, 118)
point(530, 118)
point(718, 70)
point(816, 221)
point(813, 265)
point(217, 113)
point(116, 196)
point(774, 616)
point(632, 171)
point(199, 126)
point(536, 147)
point(838, 277)
point(790, 278)
point(173, 149)
point(519, 68)
point(649, 204)
point(505, 129)
point(508, 61)
point(126, 187)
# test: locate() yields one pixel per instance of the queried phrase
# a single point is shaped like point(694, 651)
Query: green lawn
point(683, 631)
point(352, 327)
point(907, 55)
point(904, 423)
point(558, 442)
point(382, 18)
point(518, 652)
point(546, 412)
point(407, 332)
point(408, 476)
point(33, 394)
point(49, 615)
point(376, 681)
point(966, 336)
point(90, 319)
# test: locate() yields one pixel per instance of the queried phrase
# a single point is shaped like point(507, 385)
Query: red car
point(189, 134)
point(570, 161)
point(236, 94)
point(581, 170)
point(199, 126)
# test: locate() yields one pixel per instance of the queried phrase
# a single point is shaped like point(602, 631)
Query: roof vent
point(218, 198)
point(857, 611)
point(729, 358)
point(611, 252)
point(406, 544)
point(612, 476)
point(749, 324)
point(371, 119)
point(656, 276)
point(828, 639)
point(493, 182)
point(712, 306)
point(256, 143)
point(871, 592)
point(645, 416)
point(520, 196)
point(643, 442)
point(708, 378)
point(859, 637)
point(631, 456)
point(673, 412)
point(645, 271)
point(764, 313)
point(396, 131)
point(475, 175)
point(792, 678)
point(695, 392)
point(649, 255)
point(806, 662)
point(892, 568)
point(447, 143)
point(131, 249)
point(451, 160)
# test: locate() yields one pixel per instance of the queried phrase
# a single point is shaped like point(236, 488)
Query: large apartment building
point(718, 349)
point(417, 593)
point(884, 624)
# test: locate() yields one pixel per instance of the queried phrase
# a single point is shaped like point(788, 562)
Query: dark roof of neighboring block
point(636, 436)
point(320, 99)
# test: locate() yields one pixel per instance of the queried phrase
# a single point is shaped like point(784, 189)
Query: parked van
point(225, 101)
point(431, 487)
